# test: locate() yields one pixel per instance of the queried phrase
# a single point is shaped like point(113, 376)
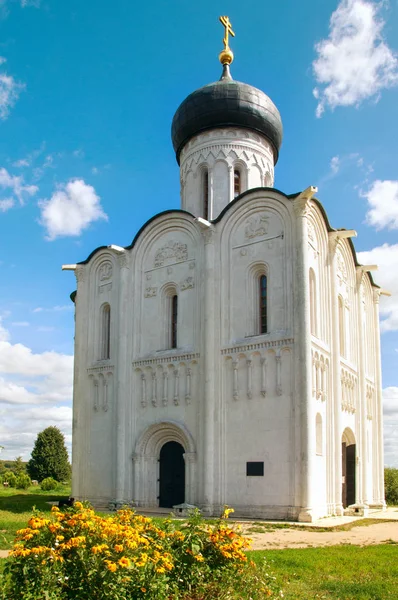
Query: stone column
point(362, 493)
point(303, 360)
point(123, 370)
point(190, 463)
point(378, 413)
point(335, 396)
point(81, 410)
point(209, 360)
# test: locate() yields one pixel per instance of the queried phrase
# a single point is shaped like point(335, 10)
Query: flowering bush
point(79, 555)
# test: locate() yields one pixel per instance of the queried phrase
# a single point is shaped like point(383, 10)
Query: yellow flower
point(54, 509)
point(160, 570)
point(118, 548)
point(78, 505)
point(111, 566)
point(124, 562)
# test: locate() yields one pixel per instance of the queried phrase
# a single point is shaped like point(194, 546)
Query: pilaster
point(303, 358)
point(123, 475)
point(208, 447)
point(378, 468)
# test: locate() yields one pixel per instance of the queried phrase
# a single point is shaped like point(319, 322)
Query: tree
point(19, 466)
point(49, 456)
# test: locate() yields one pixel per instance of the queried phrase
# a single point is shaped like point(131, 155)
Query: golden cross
point(228, 30)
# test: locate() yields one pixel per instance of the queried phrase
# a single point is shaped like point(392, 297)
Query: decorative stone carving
point(341, 267)
point(123, 260)
point(80, 273)
point(171, 251)
point(105, 271)
point(256, 226)
point(192, 265)
point(187, 283)
point(150, 292)
point(169, 270)
point(148, 276)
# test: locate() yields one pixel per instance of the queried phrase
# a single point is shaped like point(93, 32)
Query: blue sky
point(87, 94)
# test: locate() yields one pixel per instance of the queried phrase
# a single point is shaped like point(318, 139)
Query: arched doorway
point(348, 455)
point(153, 454)
point(171, 475)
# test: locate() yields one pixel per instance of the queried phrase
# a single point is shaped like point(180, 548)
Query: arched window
point(313, 303)
point(318, 433)
point(205, 193)
point(262, 295)
point(174, 321)
point(342, 327)
point(237, 183)
point(105, 337)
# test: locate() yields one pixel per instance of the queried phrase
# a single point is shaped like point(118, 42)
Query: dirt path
point(378, 533)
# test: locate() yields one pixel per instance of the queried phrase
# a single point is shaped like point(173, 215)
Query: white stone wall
point(227, 393)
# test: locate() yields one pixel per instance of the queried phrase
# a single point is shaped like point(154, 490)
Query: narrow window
point(263, 303)
point(174, 318)
point(205, 184)
point(237, 185)
point(313, 303)
point(341, 326)
point(105, 344)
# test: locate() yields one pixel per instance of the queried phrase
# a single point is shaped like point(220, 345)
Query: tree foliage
point(391, 485)
point(49, 456)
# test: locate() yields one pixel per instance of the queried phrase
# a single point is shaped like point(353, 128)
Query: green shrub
point(10, 478)
point(49, 483)
point(23, 481)
point(391, 485)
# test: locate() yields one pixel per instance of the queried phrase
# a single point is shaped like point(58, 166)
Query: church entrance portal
point(348, 471)
point(171, 475)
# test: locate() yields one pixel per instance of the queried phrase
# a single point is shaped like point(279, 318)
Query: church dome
point(227, 103)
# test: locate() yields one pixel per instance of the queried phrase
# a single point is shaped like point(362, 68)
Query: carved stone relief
point(172, 251)
point(256, 226)
point(187, 283)
point(105, 271)
point(150, 292)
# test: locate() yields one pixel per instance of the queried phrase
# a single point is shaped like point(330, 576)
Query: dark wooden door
point(348, 472)
point(344, 474)
point(351, 464)
point(171, 475)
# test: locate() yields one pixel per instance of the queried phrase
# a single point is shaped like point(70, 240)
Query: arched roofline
point(179, 211)
point(292, 197)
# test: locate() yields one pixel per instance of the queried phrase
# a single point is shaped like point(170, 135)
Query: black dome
point(226, 103)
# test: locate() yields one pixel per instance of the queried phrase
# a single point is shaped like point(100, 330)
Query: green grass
point(16, 507)
point(336, 572)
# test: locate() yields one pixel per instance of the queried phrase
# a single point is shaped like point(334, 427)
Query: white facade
point(286, 399)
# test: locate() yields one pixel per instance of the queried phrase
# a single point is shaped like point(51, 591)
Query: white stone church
point(230, 354)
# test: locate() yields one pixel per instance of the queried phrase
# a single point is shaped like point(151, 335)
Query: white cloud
point(17, 186)
point(23, 162)
point(58, 308)
point(20, 324)
point(382, 197)
point(39, 389)
point(71, 209)
point(386, 257)
point(79, 153)
point(354, 63)
point(6, 204)
point(33, 3)
point(335, 164)
point(390, 407)
point(9, 92)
